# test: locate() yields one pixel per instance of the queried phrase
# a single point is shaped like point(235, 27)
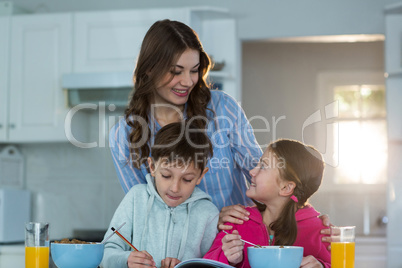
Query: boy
point(168, 219)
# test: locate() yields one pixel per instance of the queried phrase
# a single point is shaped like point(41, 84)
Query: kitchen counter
point(371, 251)
point(12, 256)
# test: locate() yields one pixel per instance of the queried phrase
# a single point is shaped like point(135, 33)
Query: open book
point(202, 263)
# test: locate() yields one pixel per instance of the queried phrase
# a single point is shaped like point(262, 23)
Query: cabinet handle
point(12, 126)
point(1, 125)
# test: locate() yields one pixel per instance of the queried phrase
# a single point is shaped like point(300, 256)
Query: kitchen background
point(283, 49)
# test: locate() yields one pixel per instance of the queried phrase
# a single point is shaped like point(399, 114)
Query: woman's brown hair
point(303, 165)
point(162, 46)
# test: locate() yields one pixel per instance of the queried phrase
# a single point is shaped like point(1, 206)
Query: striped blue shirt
point(235, 152)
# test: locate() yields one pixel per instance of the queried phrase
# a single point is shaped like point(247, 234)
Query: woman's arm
point(244, 146)
point(120, 149)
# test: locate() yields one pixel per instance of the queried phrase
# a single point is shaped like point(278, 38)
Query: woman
point(169, 86)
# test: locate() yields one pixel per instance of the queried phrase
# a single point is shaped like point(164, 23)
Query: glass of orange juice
point(36, 245)
point(343, 246)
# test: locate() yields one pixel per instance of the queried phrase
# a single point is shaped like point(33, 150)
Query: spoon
point(255, 245)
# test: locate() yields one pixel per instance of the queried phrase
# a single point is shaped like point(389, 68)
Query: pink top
point(254, 230)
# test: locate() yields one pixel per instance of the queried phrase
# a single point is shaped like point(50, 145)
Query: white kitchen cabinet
point(218, 33)
point(393, 68)
point(40, 51)
point(109, 41)
point(36, 50)
point(4, 63)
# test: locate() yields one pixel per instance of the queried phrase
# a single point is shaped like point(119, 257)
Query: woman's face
point(185, 77)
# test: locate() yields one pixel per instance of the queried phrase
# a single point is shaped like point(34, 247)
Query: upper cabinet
point(393, 40)
point(109, 41)
point(218, 33)
point(40, 51)
point(37, 50)
point(393, 68)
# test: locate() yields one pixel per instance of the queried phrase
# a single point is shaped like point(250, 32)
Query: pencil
point(125, 240)
point(107, 238)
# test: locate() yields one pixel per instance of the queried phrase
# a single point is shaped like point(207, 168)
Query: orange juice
point(36, 257)
point(342, 254)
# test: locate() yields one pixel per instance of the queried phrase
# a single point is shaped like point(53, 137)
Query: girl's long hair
point(162, 46)
point(303, 165)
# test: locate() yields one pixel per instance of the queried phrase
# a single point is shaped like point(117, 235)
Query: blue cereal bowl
point(275, 256)
point(77, 255)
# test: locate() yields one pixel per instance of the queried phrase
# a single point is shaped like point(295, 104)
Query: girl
point(288, 173)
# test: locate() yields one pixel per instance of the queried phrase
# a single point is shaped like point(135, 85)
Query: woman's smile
point(180, 92)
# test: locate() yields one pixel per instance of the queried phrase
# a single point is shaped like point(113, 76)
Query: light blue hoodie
point(183, 232)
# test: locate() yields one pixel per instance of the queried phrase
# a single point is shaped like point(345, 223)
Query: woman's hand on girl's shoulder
point(235, 214)
point(326, 232)
point(310, 262)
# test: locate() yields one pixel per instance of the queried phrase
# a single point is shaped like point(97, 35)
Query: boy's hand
point(169, 262)
point(232, 247)
point(310, 262)
point(234, 214)
point(140, 259)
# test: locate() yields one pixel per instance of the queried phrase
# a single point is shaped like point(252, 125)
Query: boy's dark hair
point(183, 143)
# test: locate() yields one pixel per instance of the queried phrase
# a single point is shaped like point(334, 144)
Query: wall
point(279, 79)
point(73, 188)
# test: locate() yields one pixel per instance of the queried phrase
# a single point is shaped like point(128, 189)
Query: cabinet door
point(218, 33)
point(110, 41)
point(220, 41)
point(12, 261)
point(40, 53)
point(393, 66)
point(4, 46)
point(393, 44)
